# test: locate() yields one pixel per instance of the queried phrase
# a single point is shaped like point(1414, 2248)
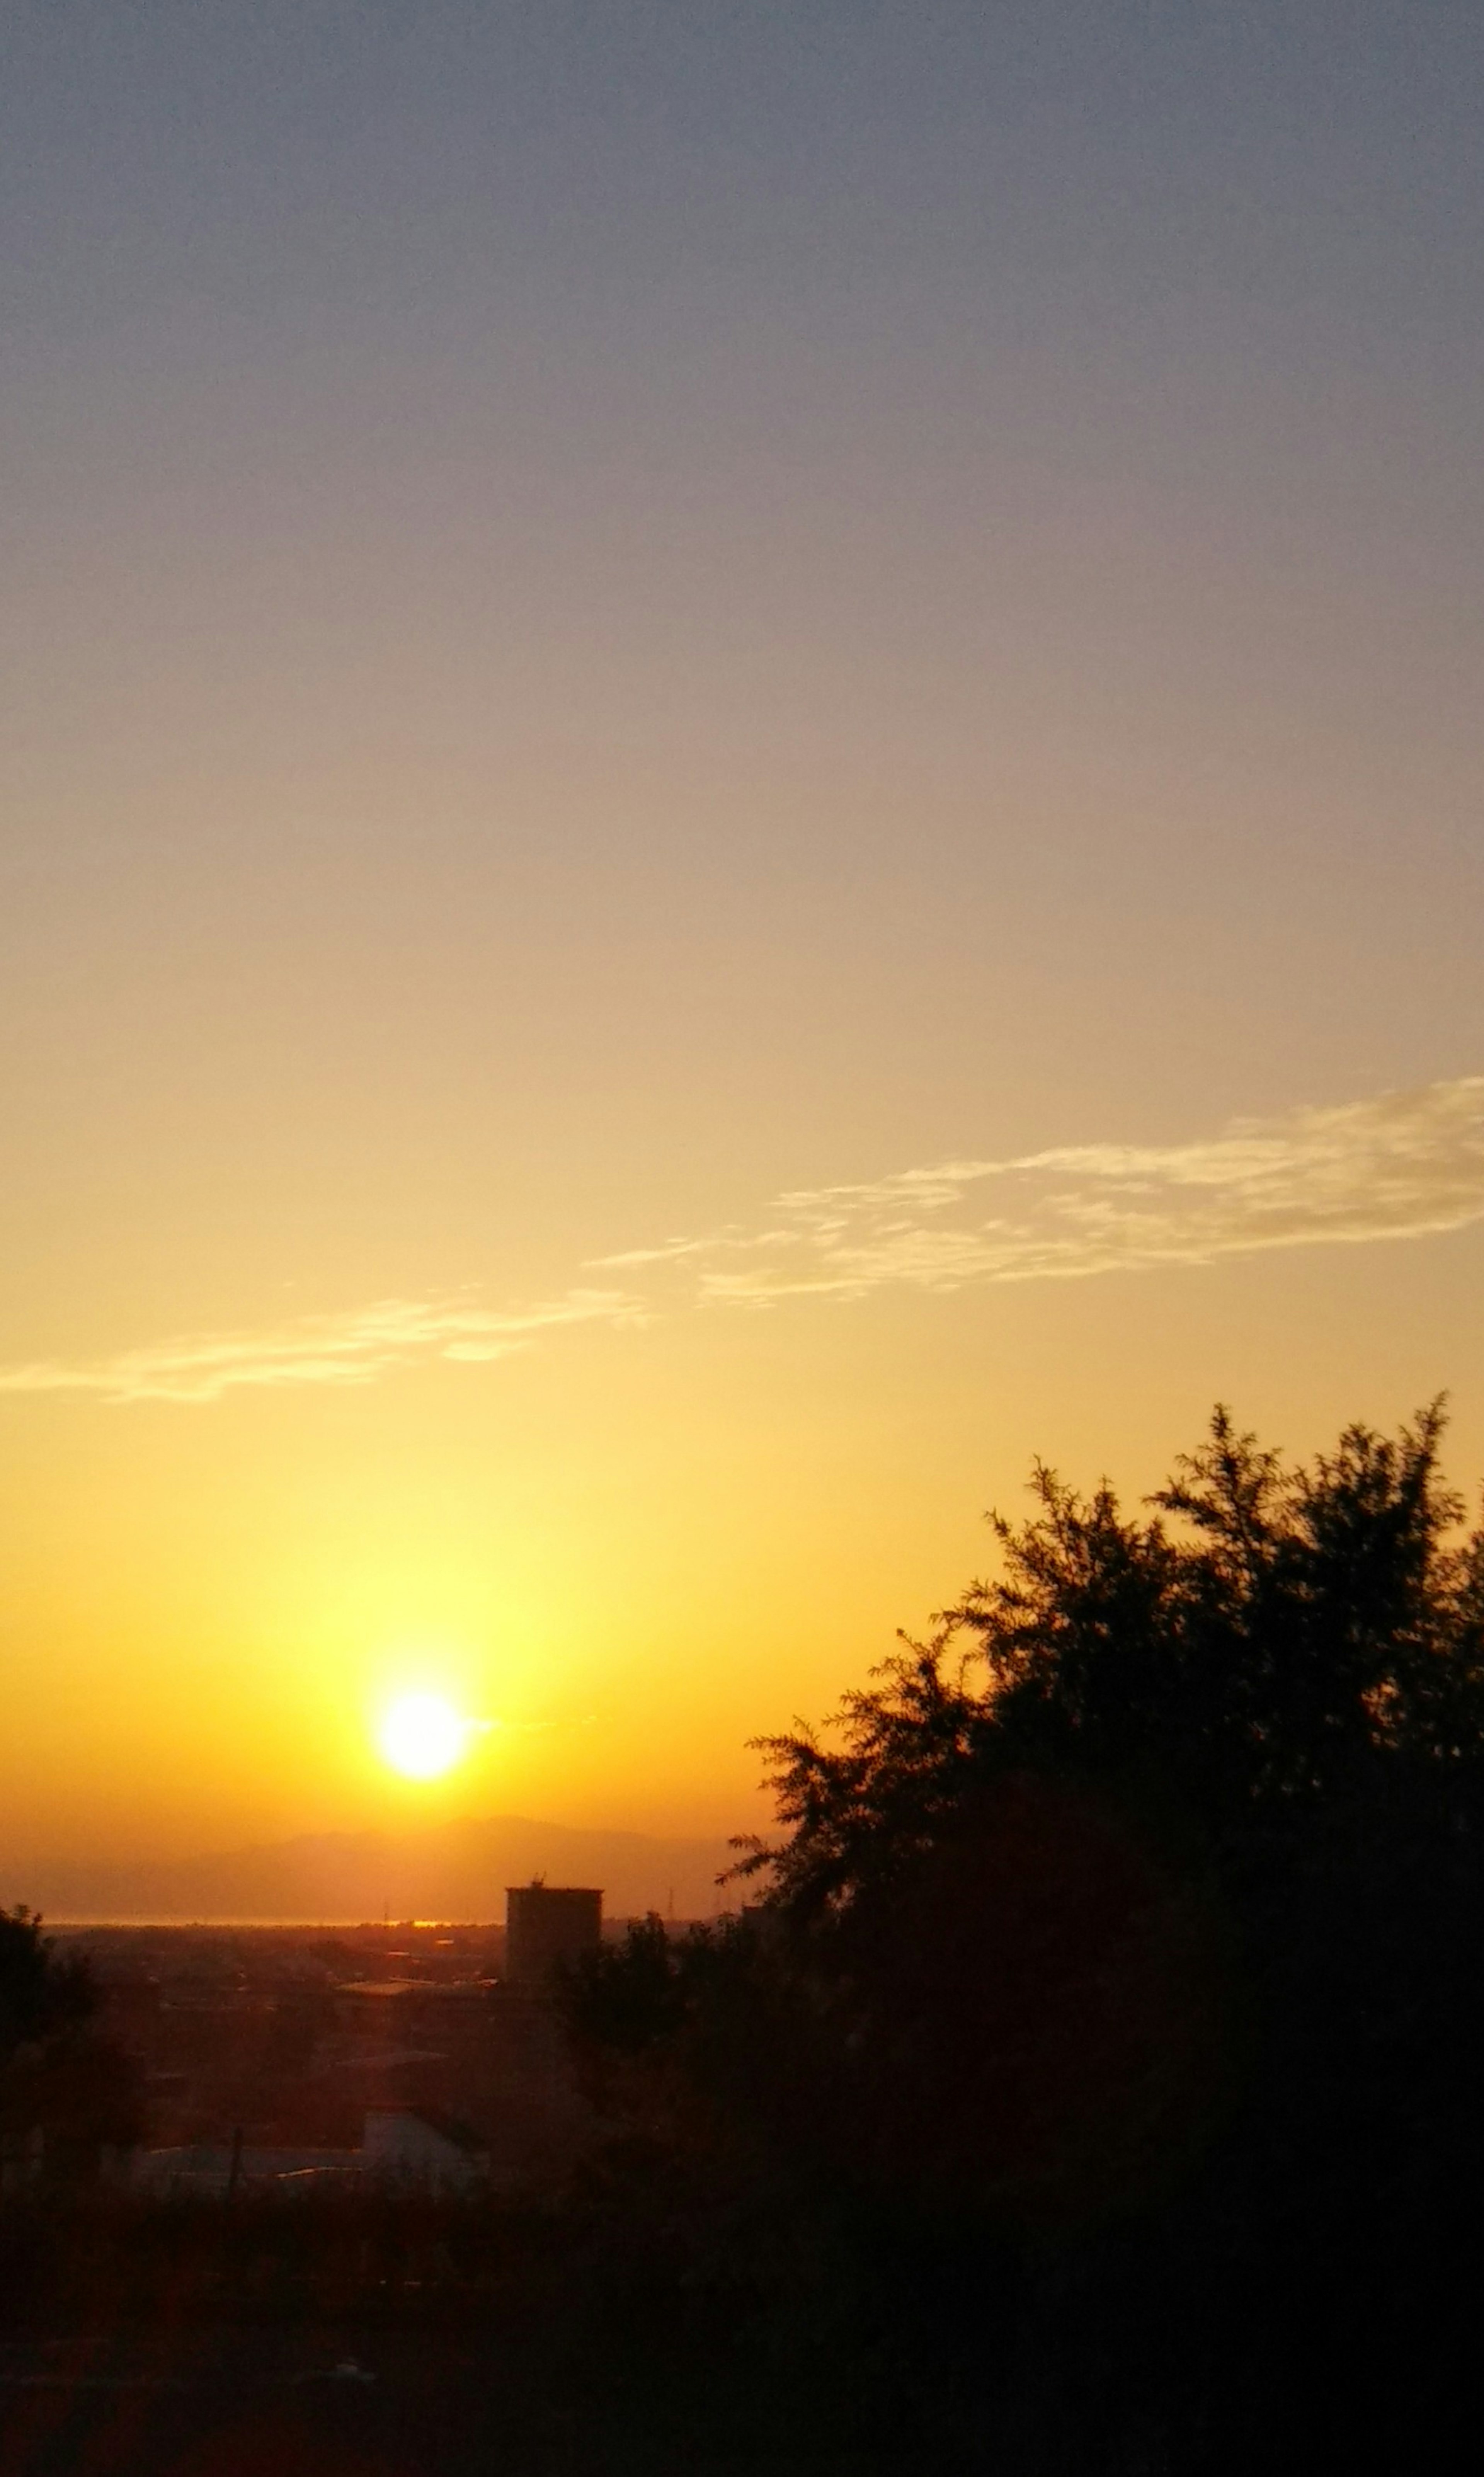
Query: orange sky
point(698, 702)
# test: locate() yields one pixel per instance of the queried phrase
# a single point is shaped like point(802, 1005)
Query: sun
point(422, 1734)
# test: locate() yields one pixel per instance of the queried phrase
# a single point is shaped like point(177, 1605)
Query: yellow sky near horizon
point(632, 1550)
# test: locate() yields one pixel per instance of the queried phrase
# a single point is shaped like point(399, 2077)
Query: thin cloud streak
point(351, 1348)
point(1400, 1166)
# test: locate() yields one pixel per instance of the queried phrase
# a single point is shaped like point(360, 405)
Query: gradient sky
point(627, 628)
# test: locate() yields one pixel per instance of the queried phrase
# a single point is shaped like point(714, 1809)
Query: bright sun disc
point(422, 1736)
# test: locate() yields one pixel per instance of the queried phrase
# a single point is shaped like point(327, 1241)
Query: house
point(403, 2150)
point(422, 2150)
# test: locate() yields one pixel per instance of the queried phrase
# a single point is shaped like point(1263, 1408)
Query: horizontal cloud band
point(1396, 1167)
point(350, 1348)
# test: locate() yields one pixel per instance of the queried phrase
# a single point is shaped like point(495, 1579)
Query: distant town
point(414, 2054)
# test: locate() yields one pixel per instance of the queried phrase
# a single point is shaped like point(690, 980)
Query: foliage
point(1308, 1634)
point(60, 2080)
point(651, 1989)
point(1115, 1988)
point(628, 1997)
point(40, 1992)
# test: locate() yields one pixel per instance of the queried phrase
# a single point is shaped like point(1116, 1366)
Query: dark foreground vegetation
point(1106, 2061)
point(1095, 2086)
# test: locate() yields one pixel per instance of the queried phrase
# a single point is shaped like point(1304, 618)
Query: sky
point(741, 778)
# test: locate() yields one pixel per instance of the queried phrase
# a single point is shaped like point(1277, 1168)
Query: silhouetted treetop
point(41, 1993)
point(1267, 1637)
point(58, 2078)
point(1113, 2012)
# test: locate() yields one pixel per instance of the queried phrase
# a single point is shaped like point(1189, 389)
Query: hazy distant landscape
point(449, 1870)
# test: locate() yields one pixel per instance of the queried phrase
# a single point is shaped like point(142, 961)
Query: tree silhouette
point(59, 2079)
point(40, 1992)
point(1305, 1635)
point(1139, 1912)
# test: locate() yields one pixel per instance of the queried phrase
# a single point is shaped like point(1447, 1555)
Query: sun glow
point(421, 1736)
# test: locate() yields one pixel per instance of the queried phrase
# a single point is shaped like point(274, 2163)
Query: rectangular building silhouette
point(547, 1925)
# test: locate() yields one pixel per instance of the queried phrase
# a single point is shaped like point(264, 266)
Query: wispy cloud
point(1396, 1167)
point(1400, 1166)
point(350, 1348)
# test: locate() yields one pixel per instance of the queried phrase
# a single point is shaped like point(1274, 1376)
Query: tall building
point(547, 1924)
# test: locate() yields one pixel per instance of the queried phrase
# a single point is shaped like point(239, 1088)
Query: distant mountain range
point(451, 1870)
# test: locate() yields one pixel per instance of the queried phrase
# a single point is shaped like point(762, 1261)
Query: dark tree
point(1143, 1910)
point(40, 1992)
point(65, 2091)
point(1299, 1638)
